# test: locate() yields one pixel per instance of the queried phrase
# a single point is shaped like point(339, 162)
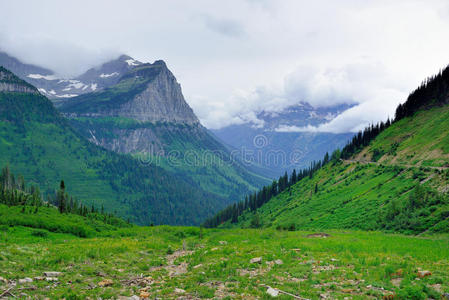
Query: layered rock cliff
point(10, 83)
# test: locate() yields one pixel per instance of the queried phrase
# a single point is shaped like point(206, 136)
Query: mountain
point(37, 142)
point(270, 145)
point(146, 115)
point(393, 177)
point(56, 88)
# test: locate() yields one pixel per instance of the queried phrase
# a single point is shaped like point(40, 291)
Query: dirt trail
point(378, 163)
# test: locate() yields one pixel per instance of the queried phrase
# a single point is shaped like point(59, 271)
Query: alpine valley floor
point(191, 263)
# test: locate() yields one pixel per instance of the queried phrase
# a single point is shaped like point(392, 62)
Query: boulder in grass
point(52, 274)
point(272, 292)
point(25, 280)
point(256, 260)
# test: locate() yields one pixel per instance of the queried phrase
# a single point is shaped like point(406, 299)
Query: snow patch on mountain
point(132, 62)
point(39, 76)
point(66, 96)
point(102, 75)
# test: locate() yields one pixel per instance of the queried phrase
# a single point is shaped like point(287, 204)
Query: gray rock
point(278, 262)
point(51, 279)
point(256, 260)
point(25, 280)
point(52, 274)
point(272, 292)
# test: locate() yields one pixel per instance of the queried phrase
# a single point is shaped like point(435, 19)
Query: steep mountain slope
point(398, 182)
point(39, 144)
point(55, 88)
point(272, 145)
point(145, 114)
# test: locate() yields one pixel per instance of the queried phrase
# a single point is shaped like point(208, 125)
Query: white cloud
point(234, 58)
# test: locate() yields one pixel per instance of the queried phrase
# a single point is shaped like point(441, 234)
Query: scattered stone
point(144, 295)
point(272, 292)
point(106, 282)
point(214, 249)
point(4, 280)
point(51, 279)
point(38, 278)
point(279, 262)
point(100, 274)
point(223, 242)
point(256, 260)
point(133, 297)
point(437, 287)
point(179, 291)
point(296, 250)
point(174, 270)
point(52, 274)
point(396, 282)
point(198, 266)
point(319, 235)
point(334, 259)
point(422, 274)
point(25, 280)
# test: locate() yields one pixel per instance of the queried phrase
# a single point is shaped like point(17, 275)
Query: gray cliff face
point(10, 83)
point(154, 140)
point(161, 101)
point(14, 87)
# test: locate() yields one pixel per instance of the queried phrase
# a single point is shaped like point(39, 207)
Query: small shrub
point(39, 233)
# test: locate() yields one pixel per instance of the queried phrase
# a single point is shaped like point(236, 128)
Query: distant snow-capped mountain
point(261, 143)
point(50, 85)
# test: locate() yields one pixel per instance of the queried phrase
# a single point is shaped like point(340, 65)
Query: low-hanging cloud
point(236, 58)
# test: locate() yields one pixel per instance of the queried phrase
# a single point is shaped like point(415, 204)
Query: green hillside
point(394, 176)
point(39, 144)
point(404, 190)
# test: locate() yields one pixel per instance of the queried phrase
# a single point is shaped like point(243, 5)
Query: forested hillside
point(39, 144)
point(392, 176)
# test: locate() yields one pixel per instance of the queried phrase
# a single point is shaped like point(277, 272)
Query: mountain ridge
point(37, 142)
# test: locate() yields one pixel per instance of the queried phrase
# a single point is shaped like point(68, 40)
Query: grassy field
point(170, 262)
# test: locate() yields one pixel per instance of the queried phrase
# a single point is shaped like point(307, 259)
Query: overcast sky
point(235, 58)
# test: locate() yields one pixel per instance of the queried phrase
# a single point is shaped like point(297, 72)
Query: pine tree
point(61, 198)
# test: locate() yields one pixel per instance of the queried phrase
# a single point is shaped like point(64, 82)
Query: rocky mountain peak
point(149, 92)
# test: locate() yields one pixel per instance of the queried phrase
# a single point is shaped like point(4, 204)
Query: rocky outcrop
point(18, 88)
point(10, 83)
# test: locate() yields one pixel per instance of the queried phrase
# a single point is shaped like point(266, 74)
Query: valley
point(294, 162)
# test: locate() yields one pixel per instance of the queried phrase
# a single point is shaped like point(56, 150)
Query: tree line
point(432, 91)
